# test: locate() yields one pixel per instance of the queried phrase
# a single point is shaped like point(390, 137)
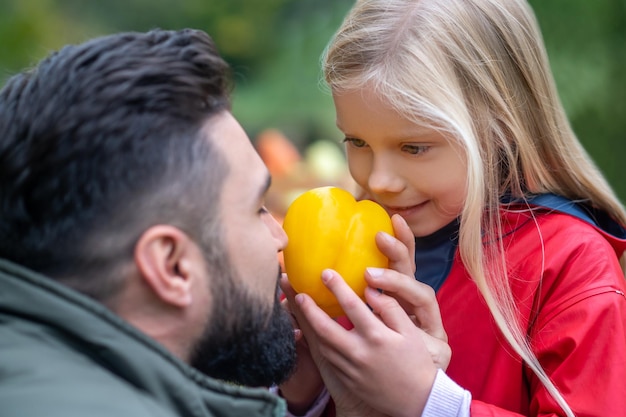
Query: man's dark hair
point(102, 140)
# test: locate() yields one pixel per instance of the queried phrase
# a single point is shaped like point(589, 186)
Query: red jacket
point(575, 318)
point(572, 303)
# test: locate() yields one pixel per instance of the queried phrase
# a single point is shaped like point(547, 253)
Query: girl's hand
point(305, 385)
point(382, 363)
point(417, 299)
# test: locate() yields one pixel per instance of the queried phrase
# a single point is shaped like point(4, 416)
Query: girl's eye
point(415, 149)
point(357, 143)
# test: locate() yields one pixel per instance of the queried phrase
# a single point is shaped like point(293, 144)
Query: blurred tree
point(275, 45)
point(241, 28)
point(244, 30)
point(30, 29)
point(586, 42)
point(286, 91)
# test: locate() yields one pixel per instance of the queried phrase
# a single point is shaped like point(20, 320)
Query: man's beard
point(246, 341)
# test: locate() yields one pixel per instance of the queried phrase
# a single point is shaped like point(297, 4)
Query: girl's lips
point(404, 211)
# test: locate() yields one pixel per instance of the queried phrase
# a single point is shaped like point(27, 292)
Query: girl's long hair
point(478, 71)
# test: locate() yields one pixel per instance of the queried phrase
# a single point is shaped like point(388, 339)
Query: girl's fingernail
point(326, 275)
point(388, 238)
point(299, 298)
point(375, 272)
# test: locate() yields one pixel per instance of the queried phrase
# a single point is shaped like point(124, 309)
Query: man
point(134, 240)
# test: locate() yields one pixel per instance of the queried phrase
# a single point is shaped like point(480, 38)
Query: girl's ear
point(165, 257)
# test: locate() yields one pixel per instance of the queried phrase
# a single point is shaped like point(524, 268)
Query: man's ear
point(165, 257)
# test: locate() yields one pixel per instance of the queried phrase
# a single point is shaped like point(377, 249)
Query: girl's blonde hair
point(477, 70)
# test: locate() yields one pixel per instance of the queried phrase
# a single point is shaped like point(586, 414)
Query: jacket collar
point(434, 254)
point(613, 232)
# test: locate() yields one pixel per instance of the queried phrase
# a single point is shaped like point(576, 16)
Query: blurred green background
point(275, 45)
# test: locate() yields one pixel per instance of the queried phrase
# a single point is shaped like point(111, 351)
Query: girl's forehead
point(360, 110)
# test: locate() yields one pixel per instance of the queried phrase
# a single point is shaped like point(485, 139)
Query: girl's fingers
point(330, 343)
point(389, 310)
point(405, 235)
point(394, 316)
point(399, 249)
point(417, 298)
point(355, 308)
point(360, 314)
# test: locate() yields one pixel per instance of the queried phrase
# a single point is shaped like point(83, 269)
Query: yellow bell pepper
point(328, 228)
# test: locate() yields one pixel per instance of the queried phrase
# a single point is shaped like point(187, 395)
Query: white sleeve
point(316, 409)
point(447, 399)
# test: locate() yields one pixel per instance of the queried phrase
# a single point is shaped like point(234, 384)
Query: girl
point(452, 121)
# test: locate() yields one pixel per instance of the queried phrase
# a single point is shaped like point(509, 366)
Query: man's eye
point(357, 143)
point(415, 149)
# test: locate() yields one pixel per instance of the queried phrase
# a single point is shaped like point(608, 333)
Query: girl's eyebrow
point(417, 135)
point(403, 136)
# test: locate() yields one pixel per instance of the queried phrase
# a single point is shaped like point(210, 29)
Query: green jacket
point(63, 354)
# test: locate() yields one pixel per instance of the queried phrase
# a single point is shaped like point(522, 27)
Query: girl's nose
point(383, 177)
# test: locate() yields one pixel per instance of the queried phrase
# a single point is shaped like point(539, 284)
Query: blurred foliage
point(274, 47)
point(586, 42)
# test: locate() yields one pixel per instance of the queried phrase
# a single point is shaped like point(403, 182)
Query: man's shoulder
point(43, 377)
point(44, 389)
point(34, 403)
